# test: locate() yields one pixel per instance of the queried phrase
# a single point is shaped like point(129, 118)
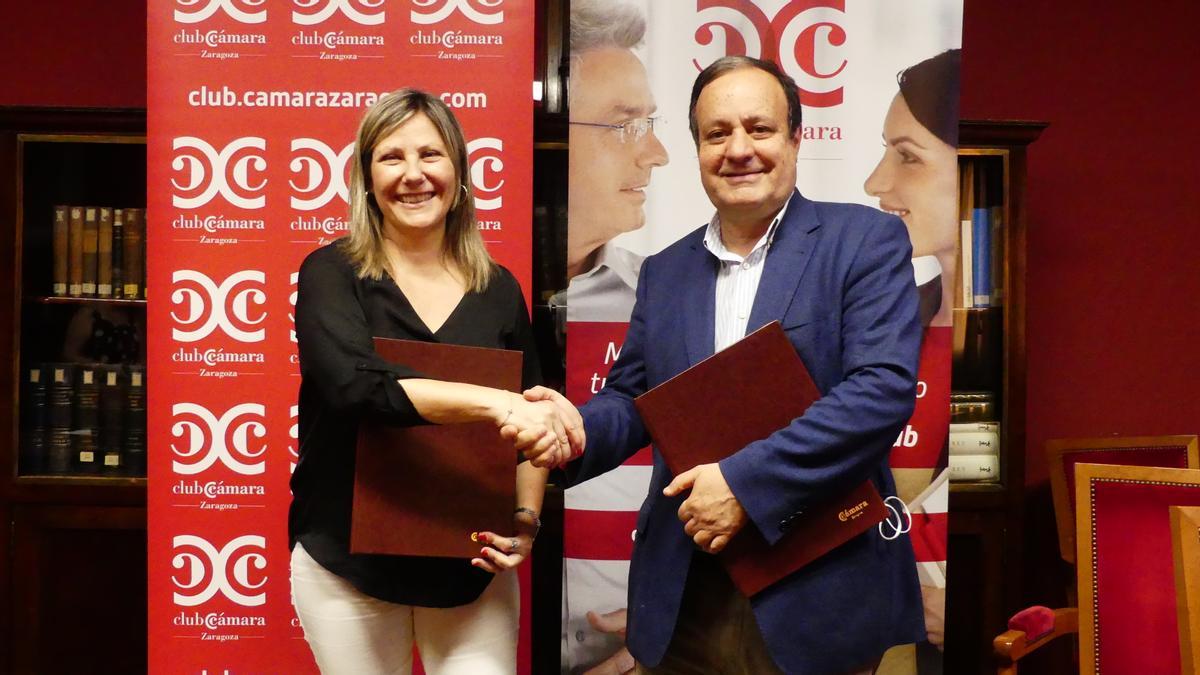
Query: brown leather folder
point(423, 490)
point(740, 395)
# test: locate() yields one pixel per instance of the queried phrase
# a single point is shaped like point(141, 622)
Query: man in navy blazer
point(839, 279)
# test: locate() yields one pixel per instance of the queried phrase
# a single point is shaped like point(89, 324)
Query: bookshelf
point(77, 544)
point(82, 323)
point(985, 530)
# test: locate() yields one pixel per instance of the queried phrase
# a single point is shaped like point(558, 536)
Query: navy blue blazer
point(839, 277)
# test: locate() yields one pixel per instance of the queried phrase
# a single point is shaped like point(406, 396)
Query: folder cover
point(423, 490)
point(740, 395)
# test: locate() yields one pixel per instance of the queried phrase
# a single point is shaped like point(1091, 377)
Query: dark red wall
point(1113, 322)
point(73, 53)
point(1114, 239)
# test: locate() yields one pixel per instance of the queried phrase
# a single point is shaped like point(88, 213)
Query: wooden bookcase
point(77, 546)
point(985, 539)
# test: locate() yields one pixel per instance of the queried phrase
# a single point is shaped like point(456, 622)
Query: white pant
point(355, 634)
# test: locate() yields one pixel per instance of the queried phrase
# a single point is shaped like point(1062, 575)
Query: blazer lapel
point(787, 258)
point(700, 298)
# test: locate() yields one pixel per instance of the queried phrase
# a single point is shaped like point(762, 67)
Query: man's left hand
point(711, 515)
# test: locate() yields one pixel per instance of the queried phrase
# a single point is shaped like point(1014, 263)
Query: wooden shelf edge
point(966, 497)
point(70, 300)
point(998, 132)
point(113, 481)
point(963, 486)
point(57, 119)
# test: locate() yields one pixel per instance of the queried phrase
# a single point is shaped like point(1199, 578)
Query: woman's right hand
point(540, 433)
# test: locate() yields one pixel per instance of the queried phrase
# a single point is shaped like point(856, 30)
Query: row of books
point(974, 438)
point(83, 419)
point(99, 252)
point(981, 236)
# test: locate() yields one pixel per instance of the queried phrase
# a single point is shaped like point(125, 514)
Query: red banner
point(252, 109)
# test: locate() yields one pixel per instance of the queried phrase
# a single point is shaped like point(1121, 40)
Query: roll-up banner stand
point(252, 110)
point(845, 56)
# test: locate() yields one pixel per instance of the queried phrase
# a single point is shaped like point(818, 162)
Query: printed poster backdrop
point(845, 56)
point(252, 111)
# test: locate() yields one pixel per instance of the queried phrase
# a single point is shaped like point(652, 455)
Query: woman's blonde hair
point(463, 244)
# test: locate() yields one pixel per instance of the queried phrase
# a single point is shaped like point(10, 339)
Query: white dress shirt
point(737, 280)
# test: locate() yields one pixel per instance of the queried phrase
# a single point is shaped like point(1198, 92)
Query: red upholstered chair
point(1185, 540)
point(1126, 567)
point(1127, 618)
point(1062, 454)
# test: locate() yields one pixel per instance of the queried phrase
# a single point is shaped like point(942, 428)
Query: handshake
point(543, 426)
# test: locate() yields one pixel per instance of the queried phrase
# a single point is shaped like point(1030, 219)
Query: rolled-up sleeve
point(337, 355)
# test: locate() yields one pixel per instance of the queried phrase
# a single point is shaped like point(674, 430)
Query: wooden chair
point(1127, 615)
point(1185, 540)
point(1062, 454)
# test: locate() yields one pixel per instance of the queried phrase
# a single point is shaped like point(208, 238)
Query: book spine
point(974, 442)
point(104, 254)
point(974, 468)
point(998, 246)
point(91, 236)
point(58, 451)
point(135, 422)
point(972, 408)
point(62, 219)
point(966, 199)
point(134, 232)
point(85, 420)
point(981, 257)
point(75, 252)
point(118, 253)
point(112, 422)
point(966, 235)
point(34, 417)
point(58, 413)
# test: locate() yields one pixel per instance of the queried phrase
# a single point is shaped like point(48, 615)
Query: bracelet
point(537, 522)
point(508, 414)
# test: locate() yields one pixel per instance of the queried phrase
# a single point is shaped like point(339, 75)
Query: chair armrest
point(1012, 645)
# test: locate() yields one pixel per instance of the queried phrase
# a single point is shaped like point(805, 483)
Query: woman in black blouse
point(413, 267)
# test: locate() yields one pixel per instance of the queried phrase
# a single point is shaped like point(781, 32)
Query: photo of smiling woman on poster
point(917, 180)
point(917, 177)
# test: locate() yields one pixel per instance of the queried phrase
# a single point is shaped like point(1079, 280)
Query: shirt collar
point(714, 244)
point(616, 259)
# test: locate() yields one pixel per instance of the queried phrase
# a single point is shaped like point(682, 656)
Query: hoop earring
point(459, 198)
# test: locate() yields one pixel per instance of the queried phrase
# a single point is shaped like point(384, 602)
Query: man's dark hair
point(930, 88)
point(728, 64)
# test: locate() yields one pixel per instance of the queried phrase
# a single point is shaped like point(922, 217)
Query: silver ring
point(514, 543)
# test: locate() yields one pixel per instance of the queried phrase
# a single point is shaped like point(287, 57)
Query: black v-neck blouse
point(343, 381)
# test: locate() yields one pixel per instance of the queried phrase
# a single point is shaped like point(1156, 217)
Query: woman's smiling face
point(413, 178)
point(917, 179)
